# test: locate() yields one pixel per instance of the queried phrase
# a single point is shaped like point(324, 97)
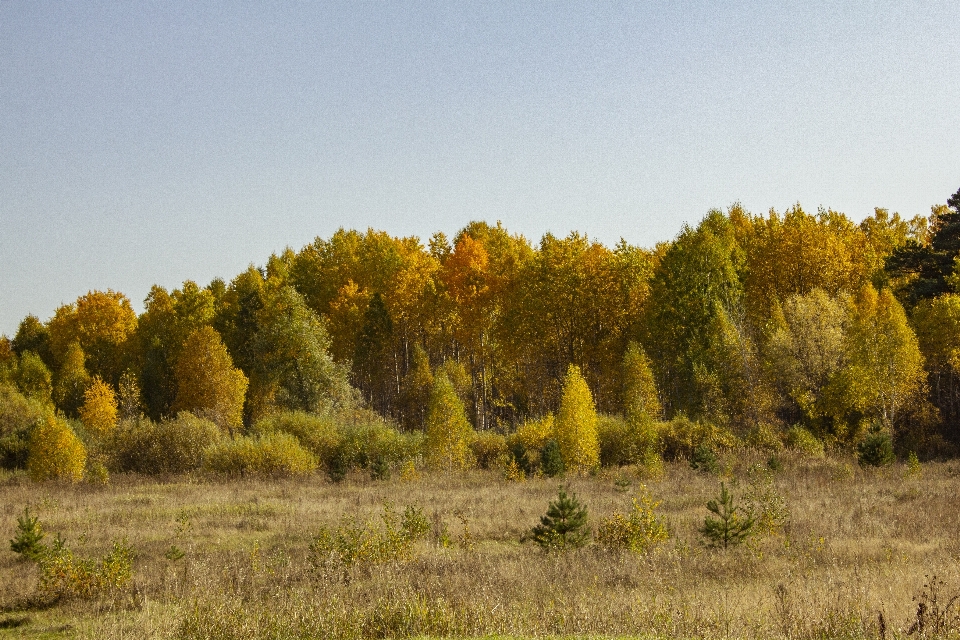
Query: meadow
point(840, 552)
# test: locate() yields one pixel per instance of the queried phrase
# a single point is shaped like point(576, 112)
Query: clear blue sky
point(146, 143)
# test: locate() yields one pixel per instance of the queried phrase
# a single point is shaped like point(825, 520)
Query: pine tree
point(575, 428)
point(29, 539)
point(728, 528)
point(564, 526)
point(448, 430)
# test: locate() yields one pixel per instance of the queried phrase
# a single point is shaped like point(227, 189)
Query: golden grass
point(858, 543)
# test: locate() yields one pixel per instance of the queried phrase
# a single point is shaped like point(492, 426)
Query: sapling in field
point(729, 528)
point(564, 526)
point(29, 539)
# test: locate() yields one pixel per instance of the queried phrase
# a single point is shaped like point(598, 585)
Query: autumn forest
point(787, 329)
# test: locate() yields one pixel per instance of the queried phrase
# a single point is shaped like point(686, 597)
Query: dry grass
point(859, 543)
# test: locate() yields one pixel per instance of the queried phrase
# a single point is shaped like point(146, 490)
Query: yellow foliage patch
point(55, 452)
point(99, 410)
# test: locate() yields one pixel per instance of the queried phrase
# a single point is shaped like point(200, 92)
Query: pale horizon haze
point(150, 143)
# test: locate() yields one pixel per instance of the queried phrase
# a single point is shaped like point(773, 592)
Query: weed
point(933, 611)
point(64, 575)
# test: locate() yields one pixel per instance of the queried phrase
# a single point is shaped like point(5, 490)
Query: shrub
point(639, 531)
point(319, 434)
point(275, 454)
point(802, 441)
point(55, 451)
point(351, 543)
point(765, 436)
point(564, 526)
point(681, 436)
point(526, 442)
point(171, 446)
point(64, 575)
point(728, 528)
point(623, 442)
point(490, 450)
point(374, 444)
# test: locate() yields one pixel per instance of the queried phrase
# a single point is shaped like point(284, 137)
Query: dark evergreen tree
point(564, 526)
point(374, 370)
point(929, 266)
point(551, 461)
point(728, 528)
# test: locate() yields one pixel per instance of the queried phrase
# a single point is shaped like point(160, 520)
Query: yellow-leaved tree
point(208, 385)
point(99, 410)
point(55, 452)
point(448, 430)
point(641, 400)
point(575, 428)
point(886, 376)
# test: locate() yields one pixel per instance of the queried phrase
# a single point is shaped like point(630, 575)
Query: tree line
point(752, 324)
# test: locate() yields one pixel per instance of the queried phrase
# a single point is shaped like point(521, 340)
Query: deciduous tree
point(208, 385)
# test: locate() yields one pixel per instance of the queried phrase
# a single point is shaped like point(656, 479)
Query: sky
point(151, 143)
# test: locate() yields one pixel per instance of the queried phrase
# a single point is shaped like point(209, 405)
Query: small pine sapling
point(704, 459)
point(564, 526)
point(728, 528)
point(876, 450)
point(29, 539)
point(551, 461)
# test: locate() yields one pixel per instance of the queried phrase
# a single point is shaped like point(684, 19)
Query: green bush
point(321, 435)
point(28, 541)
point(274, 454)
point(490, 450)
point(728, 528)
point(18, 415)
point(551, 460)
point(704, 459)
point(802, 441)
point(171, 446)
point(681, 436)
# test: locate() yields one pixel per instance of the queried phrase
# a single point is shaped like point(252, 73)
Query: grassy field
point(231, 559)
